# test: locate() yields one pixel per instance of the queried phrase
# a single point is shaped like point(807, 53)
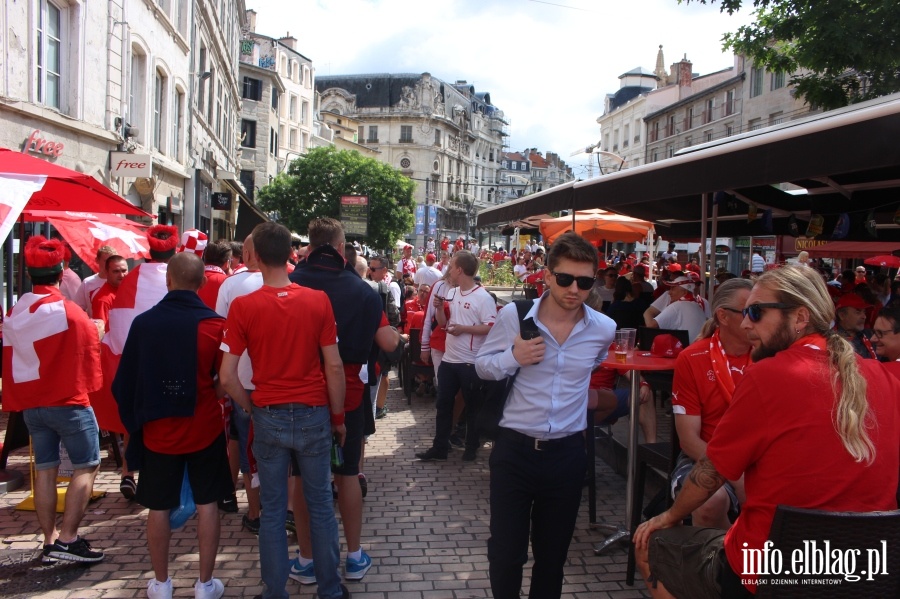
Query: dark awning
point(844, 161)
point(248, 215)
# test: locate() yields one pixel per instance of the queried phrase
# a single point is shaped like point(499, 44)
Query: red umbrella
point(886, 261)
point(35, 184)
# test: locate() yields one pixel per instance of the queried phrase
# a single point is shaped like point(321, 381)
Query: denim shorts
point(75, 426)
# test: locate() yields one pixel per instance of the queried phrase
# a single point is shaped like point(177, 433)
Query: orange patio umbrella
point(597, 224)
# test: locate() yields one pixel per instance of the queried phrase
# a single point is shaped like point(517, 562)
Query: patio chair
point(870, 533)
point(412, 364)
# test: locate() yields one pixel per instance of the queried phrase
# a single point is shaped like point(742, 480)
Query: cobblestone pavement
point(426, 528)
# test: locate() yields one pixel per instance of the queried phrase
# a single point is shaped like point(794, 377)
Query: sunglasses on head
point(566, 280)
point(754, 311)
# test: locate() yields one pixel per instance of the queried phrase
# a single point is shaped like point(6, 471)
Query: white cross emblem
point(105, 232)
point(25, 327)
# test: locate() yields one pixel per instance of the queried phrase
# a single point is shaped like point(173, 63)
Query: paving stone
point(426, 528)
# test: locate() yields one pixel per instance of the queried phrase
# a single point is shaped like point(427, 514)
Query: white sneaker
point(211, 590)
point(159, 590)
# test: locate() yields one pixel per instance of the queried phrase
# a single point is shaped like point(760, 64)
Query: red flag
point(51, 352)
point(141, 289)
point(87, 232)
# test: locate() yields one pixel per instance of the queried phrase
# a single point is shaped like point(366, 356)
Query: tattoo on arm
point(705, 476)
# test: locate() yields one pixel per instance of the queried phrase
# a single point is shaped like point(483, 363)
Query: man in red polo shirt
point(297, 406)
point(810, 425)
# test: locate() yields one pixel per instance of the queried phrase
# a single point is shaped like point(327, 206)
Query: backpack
point(390, 306)
point(494, 393)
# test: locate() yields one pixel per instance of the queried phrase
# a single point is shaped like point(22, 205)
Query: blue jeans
point(305, 432)
point(75, 426)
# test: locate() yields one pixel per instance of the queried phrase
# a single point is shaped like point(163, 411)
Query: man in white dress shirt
point(538, 460)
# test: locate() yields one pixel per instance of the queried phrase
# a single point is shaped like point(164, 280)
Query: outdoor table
point(639, 361)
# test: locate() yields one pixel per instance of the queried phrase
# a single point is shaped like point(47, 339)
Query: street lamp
point(611, 156)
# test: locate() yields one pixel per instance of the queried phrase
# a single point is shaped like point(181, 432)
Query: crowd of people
point(185, 356)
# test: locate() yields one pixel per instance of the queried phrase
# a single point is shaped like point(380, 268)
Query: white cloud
point(548, 67)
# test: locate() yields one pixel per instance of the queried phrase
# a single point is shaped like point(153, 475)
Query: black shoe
point(289, 523)
point(229, 504)
point(128, 487)
point(363, 484)
point(251, 524)
point(345, 594)
point(432, 455)
point(470, 454)
point(381, 412)
point(78, 550)
point(457, 441)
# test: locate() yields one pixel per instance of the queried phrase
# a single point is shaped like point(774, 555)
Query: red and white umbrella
point(886, 261)
point(27, 182)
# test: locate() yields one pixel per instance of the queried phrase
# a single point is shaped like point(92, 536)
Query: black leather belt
point(288, 406)
point(573, 440)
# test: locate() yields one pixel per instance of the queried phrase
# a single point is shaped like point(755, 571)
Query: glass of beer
point(621, 347)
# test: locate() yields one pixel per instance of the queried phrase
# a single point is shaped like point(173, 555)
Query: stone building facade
point(448, 138)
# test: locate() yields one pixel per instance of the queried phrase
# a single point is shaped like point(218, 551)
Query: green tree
point(849, 47)
point(313, 184)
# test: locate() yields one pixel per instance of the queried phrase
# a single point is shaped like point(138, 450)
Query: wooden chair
point(872, 534)
point(412, 364)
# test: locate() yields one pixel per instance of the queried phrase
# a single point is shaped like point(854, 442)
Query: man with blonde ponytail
point(811, 425)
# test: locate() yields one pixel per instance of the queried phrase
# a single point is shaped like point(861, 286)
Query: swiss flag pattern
point(51, 353)
point(141, 289)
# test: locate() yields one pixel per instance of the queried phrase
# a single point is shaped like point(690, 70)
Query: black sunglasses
point(754, 311)
point(566, 280)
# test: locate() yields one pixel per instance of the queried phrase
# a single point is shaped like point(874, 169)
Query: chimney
point(289, 41)
point(251, 19)
point(685, 77)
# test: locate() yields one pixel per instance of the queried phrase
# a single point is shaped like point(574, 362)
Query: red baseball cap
point(666, 346)
point(675, 267)
point(851, 300)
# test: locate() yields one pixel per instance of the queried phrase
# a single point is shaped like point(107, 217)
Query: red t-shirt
point(282, 329)
point(445, 245)
point(176, 436)
point(102, 301)
point(536, 279)
point(695, 390)
point(779, 433)
point(209, 293)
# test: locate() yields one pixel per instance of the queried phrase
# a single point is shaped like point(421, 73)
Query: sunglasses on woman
point(754, 311)
point(565, 280)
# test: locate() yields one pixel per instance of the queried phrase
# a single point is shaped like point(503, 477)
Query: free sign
point(125, 164)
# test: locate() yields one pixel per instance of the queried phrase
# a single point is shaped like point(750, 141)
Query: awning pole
point(704, 202)
point(712, 246)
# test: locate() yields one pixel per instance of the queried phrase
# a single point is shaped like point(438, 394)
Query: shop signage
point(175, 204)
point(805, 243)
point(39, 145)
point(126, 164)
point(355, 215)
point(221, 200)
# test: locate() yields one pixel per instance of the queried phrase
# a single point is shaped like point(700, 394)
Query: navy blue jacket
point(357, 307)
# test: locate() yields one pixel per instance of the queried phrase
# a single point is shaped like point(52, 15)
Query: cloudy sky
point(547, 64)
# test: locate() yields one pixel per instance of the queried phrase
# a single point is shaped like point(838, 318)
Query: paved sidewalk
point(426, 528)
